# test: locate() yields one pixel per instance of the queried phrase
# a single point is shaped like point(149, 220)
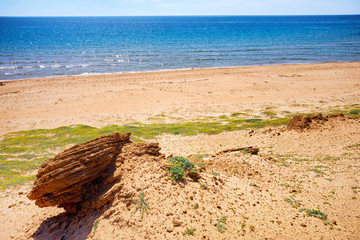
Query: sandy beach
point(317, 168)
point(119, 98)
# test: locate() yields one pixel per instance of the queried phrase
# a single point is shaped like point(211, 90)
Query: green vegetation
point(95, 225)
point(315, 213)
point(24, 151)
point(317, 171)
point(269, 114)
point(220, 224)
point(354, 112)
point(195, 206)
point(295, 203)
point(180, 168)
point(189, 231)
point(204, 186)
point(141, 204)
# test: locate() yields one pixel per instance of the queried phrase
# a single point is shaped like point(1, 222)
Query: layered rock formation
point(86, 175)
point(300, 122)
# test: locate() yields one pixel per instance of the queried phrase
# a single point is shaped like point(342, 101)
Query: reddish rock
point(84, 175)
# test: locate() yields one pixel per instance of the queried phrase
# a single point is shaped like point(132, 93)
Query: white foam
point(14, 67)
point(56, 66)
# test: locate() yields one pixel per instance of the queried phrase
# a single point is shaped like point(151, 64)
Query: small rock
point(303, 225)
point(176, 223)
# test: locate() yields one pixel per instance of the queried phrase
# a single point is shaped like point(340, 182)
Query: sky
point(176, 7)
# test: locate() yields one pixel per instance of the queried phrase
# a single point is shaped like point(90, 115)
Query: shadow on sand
point(66, 226)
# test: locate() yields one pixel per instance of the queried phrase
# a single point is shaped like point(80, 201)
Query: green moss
point(269, 114)
point(354, 111)
point(252, 120)
point(23, 151)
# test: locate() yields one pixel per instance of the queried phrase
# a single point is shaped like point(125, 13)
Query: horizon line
point(192, 15)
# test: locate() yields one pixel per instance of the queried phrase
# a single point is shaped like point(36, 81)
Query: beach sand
point(121, 98)
point(317, 168)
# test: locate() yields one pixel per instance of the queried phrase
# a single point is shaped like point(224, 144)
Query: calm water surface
point(55, 46)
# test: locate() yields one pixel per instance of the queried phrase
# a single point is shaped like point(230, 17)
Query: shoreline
point(100, 100)
point(168, 70)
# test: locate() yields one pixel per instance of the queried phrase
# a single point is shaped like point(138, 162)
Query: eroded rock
point(87, 176)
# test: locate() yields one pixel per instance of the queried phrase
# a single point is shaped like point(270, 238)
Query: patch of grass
point(317, 171)
point(35, 146)
point(220, 224)
point(330, 158)
point(195, 206)
point(204, 186)
point(285, 185)
point(253, 120)
point(237, 114)
point(180, 168)
point(295, 203)
point(189, 231)
point(315, 213)
point(201, 156)
point(354, 146)
point(215, 173)
point(95, 225)
point(269, 114)
point(141, 204)
point(252, 228)
point(202, 165)
point(354, 111)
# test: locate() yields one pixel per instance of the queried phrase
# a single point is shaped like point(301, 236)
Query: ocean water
point(55, 46)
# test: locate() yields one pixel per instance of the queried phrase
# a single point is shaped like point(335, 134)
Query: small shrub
point(315, 213)
point(189, 231)
point(202, 165)
point(221, 221)
point(252, 228)
point(142, 205)
point(204, 186)
point(295, 203)
point(180, 167)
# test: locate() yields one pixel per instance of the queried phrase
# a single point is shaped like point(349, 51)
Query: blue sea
point(33, 47)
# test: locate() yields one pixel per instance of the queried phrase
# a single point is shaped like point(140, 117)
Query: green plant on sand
point(141, 204)
point(180, 168)
point(220, 224)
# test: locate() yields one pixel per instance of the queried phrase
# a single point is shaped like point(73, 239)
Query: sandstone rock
point(77, 174)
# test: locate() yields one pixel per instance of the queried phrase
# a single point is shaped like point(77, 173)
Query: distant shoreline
point(163, 70)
